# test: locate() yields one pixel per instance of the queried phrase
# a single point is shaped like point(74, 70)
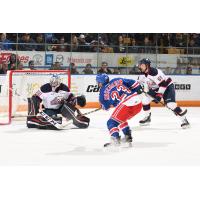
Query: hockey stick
point(154, 99)
point(164, 104)
point(92, 111)
point(50, 120)
point(60, 126)
point(83, 114)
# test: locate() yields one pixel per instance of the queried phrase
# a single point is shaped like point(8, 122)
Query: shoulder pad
point(46, 88)
point(153, 71)
point(64, 87)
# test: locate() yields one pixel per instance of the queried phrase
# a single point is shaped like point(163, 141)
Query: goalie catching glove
point(78, 100)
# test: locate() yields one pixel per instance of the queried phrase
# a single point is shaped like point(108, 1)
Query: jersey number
point(123, 88)
point(115, 95)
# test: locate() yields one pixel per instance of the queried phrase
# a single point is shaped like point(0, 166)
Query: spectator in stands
point(73, 68)
point(83, 46)
point(102, 45)
point(168, 70)
point(191, 46)
point(62, 47)
point(177, 70)
point(166, 39)
point(27, 43)
point(116, 70)
point(147, 45)
point(189, 70)
point(121, 47)
point(133, 48)
point(98, 46)
point(192, 43)
point(196, 38)
point(40, 42)
point(94, 47)
point(163, 40)
point(3, 68)
point(74, 43)
point(5, 44)
point(20, 66)
point(135, 70)
point(50, 38)
point(56, 66)
point(13, 62)
point(89, 37)
point(51, 41)
point(104, 38)
point(88, 69)
point(104, 69)
point(181, 40)
point(31, 65)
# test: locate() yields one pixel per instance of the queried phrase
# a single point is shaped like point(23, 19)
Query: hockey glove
point(71, 100)
point(139, 89)
point(81, 100)
point(158, 98)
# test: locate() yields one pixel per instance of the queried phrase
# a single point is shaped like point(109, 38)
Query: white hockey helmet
point(55, 80)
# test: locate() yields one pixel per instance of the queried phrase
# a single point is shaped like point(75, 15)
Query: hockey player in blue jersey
point(158, 86)
point(123, 94)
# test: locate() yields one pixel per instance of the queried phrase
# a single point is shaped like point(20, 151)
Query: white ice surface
point(164, 142)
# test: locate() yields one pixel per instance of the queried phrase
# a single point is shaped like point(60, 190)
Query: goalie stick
point(50, 120)
point(60, 126)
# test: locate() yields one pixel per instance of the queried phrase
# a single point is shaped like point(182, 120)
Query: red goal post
point(21, 84)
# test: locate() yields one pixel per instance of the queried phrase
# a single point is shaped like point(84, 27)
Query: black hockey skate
point(115, 142)
point(127, 140)
point(146, 121)
point(185, 124)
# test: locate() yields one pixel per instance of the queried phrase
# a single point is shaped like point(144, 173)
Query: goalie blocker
point(67, 110)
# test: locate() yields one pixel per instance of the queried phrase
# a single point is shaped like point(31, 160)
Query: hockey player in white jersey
point(158, 86)
point(55, 98)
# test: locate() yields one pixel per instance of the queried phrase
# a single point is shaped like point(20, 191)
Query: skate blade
point(146, 124)
point(108, 145)
point(126, 145)
point(186, 126)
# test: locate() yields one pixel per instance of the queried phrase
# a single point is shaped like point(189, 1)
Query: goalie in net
point(55, 98)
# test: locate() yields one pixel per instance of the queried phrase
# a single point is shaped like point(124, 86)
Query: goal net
point(20, 85)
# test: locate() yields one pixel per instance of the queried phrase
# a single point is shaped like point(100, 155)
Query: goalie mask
point(55, 81)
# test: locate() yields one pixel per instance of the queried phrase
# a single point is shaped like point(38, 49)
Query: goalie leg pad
point(80, 121)
point(68, 111)
point(41, 123)
point(33, 105)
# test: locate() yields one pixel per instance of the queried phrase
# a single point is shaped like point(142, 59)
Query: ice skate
point(146, 121)
point(114, 142)
point(185, 124)
point(127, 140)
